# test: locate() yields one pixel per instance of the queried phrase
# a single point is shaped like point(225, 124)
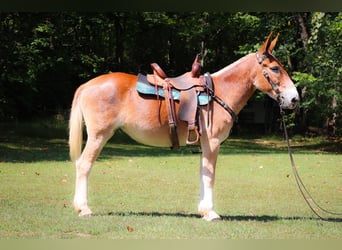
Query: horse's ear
point(268, 45)
point(272, 45)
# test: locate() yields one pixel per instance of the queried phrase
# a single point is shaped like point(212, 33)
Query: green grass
point(139, 192)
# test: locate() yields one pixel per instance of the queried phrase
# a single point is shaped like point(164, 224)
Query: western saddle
point(189, 85)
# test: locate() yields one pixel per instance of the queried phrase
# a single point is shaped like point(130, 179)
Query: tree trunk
point(304, 35)
point(303, 31)
point(119, 48)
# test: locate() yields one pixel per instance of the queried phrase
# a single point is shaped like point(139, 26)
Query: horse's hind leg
point(84, 165)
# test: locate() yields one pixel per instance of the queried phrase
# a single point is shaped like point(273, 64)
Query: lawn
point(139, 192)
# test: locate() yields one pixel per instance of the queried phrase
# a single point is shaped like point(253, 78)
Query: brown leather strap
point(171, 113)
point(310, 201)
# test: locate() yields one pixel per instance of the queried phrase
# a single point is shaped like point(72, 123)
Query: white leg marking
point(81, 188)
point(83, 167)
point(207, 180)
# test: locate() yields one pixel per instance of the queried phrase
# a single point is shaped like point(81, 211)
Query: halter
point(266, 75)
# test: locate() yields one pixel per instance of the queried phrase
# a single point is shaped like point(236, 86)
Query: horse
point(110, 102)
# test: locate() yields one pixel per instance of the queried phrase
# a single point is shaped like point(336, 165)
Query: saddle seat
point(183, 82)
point(188, 84)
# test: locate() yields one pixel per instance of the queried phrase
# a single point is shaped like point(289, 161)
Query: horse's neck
point(234, 83)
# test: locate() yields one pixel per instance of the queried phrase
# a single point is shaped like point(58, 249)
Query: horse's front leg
point(209, 155)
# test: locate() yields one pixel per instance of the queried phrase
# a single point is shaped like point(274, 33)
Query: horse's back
point(107, 89)
point(114, 79)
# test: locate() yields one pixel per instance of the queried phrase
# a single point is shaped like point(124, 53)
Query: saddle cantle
point(195, 69)
point(188, 89)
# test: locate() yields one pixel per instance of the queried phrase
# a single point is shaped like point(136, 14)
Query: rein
point(302, 188)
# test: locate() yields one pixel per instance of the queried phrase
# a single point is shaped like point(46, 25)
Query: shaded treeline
point(44, 57)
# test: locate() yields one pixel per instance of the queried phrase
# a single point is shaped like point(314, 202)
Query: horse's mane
point(232, 66)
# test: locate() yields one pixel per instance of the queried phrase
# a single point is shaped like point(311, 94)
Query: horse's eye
point(275, 69)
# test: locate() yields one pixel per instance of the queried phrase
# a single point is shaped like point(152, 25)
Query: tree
point(321, 80)
point(46, 56)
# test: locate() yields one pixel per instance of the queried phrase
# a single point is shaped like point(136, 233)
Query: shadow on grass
point(24, 149)
point(15, 148)
point(261, 218)
point(37, 149)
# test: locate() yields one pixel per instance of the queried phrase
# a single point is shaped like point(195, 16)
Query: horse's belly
point(157, 136)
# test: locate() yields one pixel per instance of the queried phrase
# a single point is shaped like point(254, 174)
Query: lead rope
point(303, 190)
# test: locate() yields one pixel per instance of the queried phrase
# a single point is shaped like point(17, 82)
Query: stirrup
point(193, 137)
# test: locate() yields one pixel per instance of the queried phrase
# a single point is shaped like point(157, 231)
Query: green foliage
point(45, 56)
point(308, 81)
point(322, 80)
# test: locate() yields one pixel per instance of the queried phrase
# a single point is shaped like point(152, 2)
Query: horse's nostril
point(294, 100)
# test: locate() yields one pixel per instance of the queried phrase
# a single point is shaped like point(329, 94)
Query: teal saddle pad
point(145, 88)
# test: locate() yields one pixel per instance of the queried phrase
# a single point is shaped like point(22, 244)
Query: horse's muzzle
point(289, 99)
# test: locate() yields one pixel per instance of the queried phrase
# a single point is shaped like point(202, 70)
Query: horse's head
point(272, 78)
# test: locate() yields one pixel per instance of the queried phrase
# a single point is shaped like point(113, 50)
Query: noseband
point(266, 75)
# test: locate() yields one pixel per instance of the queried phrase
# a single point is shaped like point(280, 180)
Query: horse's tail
point(75, 128)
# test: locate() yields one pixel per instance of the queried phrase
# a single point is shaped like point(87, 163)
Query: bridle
point(267, 76)
point(310, 201)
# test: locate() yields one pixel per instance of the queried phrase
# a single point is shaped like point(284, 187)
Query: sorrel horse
point(109, 102)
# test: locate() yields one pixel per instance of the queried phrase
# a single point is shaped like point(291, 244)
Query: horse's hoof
point(211, 216)
point(85, 213)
